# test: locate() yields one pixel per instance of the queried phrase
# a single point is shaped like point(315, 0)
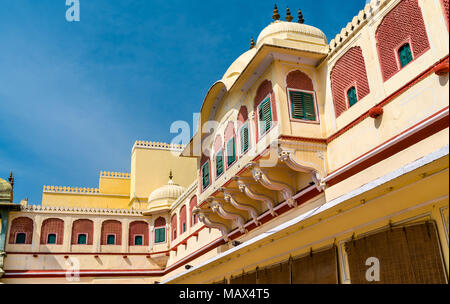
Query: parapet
point(75, 190)
point(115, 175)
point(157, 146)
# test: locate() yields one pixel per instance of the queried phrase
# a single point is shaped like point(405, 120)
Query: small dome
point(5, 191)
point(166, 194)
point(239, 64)
point(278, 29)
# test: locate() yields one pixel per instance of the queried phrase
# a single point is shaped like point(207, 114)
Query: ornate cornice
point(79, 210)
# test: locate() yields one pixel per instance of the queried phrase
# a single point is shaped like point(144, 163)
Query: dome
point(5, 191)
point(238, 65)
point(166, 194)
point(280, 29)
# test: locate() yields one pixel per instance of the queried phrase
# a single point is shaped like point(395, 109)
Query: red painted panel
point(83, 226)
point(402, 24)
point(242, 116)
point(50, 226)
point(160, 222)
point(299, 80)
point(445, 6)
point(24, 225)
point(111, 227)
point(174, 227)
point(138, 228)
point(192, 205)
point(183, 219)
point(264, 89)
point(349, 70)
point(218, 143)
point(229, 131)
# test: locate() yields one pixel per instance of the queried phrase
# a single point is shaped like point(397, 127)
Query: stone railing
point(157, 146)
point(40, 208)
point(115, 175)
point(78, 190)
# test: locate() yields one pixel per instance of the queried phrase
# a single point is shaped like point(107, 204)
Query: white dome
point(278, 28)
point(167, 193)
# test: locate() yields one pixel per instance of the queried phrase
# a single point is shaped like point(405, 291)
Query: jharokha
point(330, 165)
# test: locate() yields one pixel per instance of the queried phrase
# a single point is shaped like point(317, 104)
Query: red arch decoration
point(349, 70)
point(83, 226)
point(21, 225)
point(138, 228)
point(111, 227)
point(192, 205)
point(299, 80)
point(404, 23)
point(50, 226)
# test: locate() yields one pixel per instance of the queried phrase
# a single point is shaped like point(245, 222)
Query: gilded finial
point(170, 175)
point(300, 17)
point(252, 43)
point(289, 17)
point(276, 15)
point(11, 179)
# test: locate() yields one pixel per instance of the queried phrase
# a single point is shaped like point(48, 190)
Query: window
point(205, 175)
point(111, 239)
point(195, 219)
point(138, 240)
point(174, 235)
point(302, 105)
point(51, 239)
point(245, 138)
point(219, 163)
point(351, 95)
point(82, 239)
point(160, 235)
point(21, 238)
point(405, 55)
point(265, 116)
point(231, 152)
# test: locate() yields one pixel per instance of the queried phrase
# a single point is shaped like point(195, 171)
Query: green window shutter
point(244, 138)
point(231, 152)
point(405, 54)
point(219, 163)
point(51, 239)
point(160, 235)
point(205, 175)
point(82, 239)
point(302, 105)
point(352, 98)
point(111, 239)
point(138, 240)
point(265, 116)
point(21, 238)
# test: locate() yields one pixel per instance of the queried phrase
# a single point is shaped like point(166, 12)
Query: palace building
point(329, 165)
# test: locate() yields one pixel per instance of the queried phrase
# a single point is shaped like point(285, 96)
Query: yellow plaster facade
point(305, 185)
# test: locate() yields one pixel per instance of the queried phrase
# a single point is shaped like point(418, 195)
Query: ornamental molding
point(157, 146)
point(217, 207)
point(245, 188)
point(55, 209)
point(245, 207)
point(203, 216)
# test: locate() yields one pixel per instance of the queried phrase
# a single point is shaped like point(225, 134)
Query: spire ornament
point(276, 15)
point(289, 17)
point(252, 43)
point(300, 17)
point(170, 175)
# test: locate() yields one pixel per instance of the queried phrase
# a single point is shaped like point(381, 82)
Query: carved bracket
point(256, 196)
point(217, 207)
point(245, 207)
point(203, 217)
point(289, 159)
point(261, 177)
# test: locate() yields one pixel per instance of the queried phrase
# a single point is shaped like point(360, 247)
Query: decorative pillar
point(36, 242)
point(125, 235)
point(67, 241)
point(96, 248)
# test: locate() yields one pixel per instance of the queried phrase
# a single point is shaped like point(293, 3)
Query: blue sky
point(74, 97)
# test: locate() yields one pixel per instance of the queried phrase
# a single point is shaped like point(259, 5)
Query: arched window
point(192, 205)
point(138, 234)
point(21, 231)
point(244, 130)
point(405, 55)
point(230, 144)
point(183, 220)
point(264, 103)
point(205, 172)
point(83, 232)
point(160, 230)
point(301, 96)
point(52, 232)
point(218, 150)
point(349, 81)
point(174, 226)
point(403, 24)
point(111, 233)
